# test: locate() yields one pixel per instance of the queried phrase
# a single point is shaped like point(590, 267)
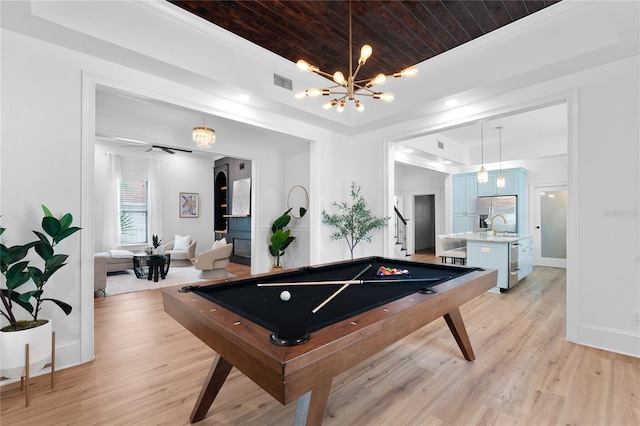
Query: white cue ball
point(285, 296)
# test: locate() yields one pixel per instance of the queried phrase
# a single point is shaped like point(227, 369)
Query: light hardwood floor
point(148, 371)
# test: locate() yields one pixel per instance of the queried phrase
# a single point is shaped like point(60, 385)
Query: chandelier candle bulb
point(379, 79)
point(407, 72)
point(365, 53)
point(386, 97)
point(305, 66)
point(330, 105)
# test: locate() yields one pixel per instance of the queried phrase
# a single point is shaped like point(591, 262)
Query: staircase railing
point(400, 228)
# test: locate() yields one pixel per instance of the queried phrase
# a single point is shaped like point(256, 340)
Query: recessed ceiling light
point(243, 97)
point(451, 102)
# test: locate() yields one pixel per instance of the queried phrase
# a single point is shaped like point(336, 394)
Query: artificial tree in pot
point(353, 222)
point(23, 289)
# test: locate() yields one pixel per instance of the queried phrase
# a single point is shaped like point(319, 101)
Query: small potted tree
point(353, 222)
point(20, 274)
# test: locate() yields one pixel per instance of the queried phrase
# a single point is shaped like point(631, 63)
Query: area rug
point(126, 281)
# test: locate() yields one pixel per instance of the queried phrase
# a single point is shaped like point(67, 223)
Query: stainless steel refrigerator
point(502, 211)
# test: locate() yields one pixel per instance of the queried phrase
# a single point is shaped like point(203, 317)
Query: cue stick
point(378, 281)
point(338, 291)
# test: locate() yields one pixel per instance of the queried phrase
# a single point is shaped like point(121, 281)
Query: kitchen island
point(511, 254)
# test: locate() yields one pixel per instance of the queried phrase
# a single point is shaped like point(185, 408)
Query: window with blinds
point(134, 198)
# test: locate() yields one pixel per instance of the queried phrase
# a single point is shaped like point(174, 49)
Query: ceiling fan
point(166, 149)
point(151, 147)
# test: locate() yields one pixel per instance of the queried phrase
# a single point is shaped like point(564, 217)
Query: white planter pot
point(12, 350)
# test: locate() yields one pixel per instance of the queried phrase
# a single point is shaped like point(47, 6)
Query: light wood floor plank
point(149, 371)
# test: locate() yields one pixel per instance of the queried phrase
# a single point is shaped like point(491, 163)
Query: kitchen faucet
point(492, 222)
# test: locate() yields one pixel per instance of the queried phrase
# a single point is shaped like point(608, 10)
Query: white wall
point(361, 160)
point(297, 173)
point(605, 254)
point(40, 164)
point(178, 173)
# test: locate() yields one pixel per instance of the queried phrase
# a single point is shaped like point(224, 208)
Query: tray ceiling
point(402, 33)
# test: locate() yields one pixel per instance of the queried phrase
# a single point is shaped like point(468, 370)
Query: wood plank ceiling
point(401, 33)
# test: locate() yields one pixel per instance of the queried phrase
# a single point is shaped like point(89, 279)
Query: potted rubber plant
point(23, 291)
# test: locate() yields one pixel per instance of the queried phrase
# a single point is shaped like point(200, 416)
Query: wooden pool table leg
point(217, 375)
point(311, 406)
point(456, 325)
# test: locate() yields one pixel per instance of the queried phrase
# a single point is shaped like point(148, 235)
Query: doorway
point(424, 222)
point(550, 220)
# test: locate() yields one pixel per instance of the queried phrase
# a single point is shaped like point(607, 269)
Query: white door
point(550, 223)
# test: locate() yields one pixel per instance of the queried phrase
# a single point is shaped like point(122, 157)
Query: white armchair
point(213, 263)
point(181, 249)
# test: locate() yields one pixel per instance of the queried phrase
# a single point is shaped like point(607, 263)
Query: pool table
point(294, 353)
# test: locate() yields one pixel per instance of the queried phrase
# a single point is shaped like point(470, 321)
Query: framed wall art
point(241, 198)
point(189, 204)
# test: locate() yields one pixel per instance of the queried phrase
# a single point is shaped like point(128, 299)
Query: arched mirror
point(298, 201)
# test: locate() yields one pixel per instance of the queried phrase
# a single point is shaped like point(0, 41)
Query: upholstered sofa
point(213, 263)
point(182, 250)
point(117, 260)
point(109, 261)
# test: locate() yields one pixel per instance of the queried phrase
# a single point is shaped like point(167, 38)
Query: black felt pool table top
point(294, 319)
